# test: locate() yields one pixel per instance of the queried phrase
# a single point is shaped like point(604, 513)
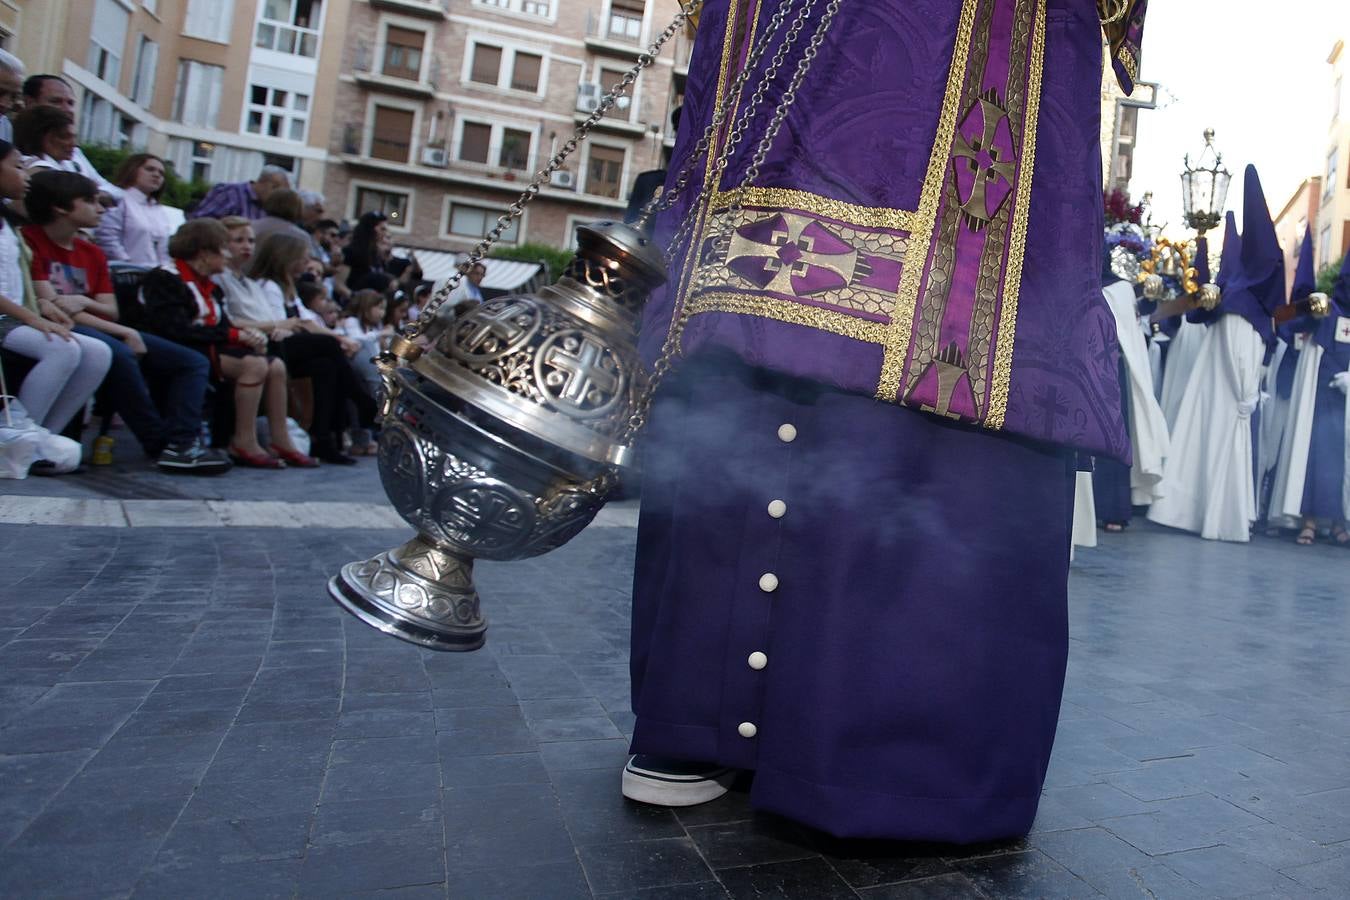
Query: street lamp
point(1204, 190)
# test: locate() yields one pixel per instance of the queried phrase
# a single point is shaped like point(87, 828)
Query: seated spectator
point(45, 136)
point(309, 347)
point(137, 229)
point(242, 198)
point(315, 297)
point(184, 305)
point(366, 324)
point(72, 274)
point(362, 260)
point(284, 210)
point(397, 311)
point(11, 92)
point(54, 91)
point(69, 366)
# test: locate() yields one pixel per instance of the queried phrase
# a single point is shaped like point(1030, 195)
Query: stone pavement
point(184, 713)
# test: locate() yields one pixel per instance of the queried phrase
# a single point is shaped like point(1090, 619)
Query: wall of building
point(1333, 232)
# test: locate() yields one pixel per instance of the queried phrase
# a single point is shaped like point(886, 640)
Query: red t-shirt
point(81, 270)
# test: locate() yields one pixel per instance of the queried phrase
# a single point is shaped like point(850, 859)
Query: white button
point(758, 660)
point(747, 730)
point(777, 509)
point(768, 582)
point(787, 433)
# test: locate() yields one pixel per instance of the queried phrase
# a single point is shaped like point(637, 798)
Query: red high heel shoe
point(254, 460)
point(295, 458)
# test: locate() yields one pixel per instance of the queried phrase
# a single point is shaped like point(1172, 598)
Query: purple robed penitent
point(852, 556)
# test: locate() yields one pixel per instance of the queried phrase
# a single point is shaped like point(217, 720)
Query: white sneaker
point(674, 782)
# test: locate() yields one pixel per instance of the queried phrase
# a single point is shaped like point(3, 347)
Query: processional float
point(507, 425)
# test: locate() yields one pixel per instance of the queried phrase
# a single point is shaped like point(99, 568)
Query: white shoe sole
point(662, 789)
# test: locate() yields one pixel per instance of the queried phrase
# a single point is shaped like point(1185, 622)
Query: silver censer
point(503, 435)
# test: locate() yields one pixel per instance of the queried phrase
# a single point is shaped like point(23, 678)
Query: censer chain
point(670, 351)
point(688, 8)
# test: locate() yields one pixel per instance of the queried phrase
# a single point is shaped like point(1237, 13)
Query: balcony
point(617, 34)
point(431, 9)
point(373, 77)
point(293, 40)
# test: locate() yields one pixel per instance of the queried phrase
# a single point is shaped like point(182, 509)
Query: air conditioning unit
point(563, 179)
point(435, 156)
point(588, 97)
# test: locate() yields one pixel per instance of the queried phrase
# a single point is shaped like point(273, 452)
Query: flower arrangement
point(1118, 208)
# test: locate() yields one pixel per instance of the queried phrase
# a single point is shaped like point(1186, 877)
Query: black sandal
point(1306, 537)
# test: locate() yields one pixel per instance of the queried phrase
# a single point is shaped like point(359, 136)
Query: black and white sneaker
point(674, 782)
point(193, 459)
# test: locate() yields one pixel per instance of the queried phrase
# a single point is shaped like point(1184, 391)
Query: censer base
point(417, 593)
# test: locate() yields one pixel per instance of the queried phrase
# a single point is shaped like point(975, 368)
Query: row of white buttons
point(768, 582)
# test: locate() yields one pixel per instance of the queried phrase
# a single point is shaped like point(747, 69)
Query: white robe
point(1275, 412)
point(1209, 473)
point(1180, 363)
point(1291, 470)
point(1148, 428)
point(1084, 513)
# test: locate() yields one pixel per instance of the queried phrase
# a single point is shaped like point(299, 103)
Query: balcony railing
point(616, 32)
point(284, 38)
point(437, 9)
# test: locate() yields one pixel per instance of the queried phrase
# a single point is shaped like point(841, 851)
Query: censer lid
point(623, 249)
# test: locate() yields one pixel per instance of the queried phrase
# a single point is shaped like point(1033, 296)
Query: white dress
point(1209, 473)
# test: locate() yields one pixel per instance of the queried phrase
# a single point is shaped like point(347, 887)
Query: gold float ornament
point(1316, 305)
point(1169, 259)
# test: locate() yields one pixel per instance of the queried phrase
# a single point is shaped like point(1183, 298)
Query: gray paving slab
point(186, 714)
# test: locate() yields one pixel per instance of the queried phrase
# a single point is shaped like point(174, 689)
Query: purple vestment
point(926, 228)
point(900, 565)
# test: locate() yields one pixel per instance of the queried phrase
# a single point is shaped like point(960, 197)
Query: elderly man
point(11, 90)
point(242, 198)
point(55, 91)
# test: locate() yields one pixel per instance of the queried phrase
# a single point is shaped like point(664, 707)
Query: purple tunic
point(900, 565)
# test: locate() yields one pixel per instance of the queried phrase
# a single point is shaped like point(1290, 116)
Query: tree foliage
point(555, 259)
point(1326, 278)
point(177, 191)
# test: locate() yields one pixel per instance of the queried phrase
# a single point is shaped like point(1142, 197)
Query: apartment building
point(446, 108)
point(1332, 237)
point(218, 88)
point(1120, 125)
point(1299, 212)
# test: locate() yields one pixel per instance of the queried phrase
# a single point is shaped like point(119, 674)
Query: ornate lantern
point(501, 439)
point(1204, 187)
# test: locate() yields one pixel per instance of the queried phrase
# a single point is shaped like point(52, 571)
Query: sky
point(1255, 73)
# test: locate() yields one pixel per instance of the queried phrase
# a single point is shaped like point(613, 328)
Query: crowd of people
point(257, 308)
point(1236, 407)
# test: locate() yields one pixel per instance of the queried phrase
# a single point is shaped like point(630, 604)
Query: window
point(277, 113)
point(509, 69)
point(200, 161)
point(621, 110)
point(525, 72)
point(209, 20)
point(403, 53)
point(1332, 180)
point(392, 203)
point(196, 98)
point(541, 8)
point(392, 137)
point(1324, 246)
point(498, 145)
point(515, 149)
point(147, 62)
point(604, 172)
point(487, 64)
point(107, 40)
point(474, 143)
point(290, 26)
point(470, 221)
point(625, 20)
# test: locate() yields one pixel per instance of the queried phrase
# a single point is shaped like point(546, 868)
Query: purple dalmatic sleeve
point(926, 226)
point(1126, 37)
